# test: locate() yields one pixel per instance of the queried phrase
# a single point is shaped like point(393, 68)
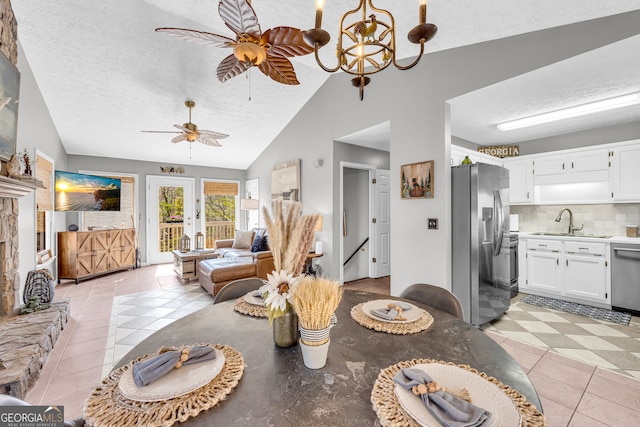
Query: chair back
point(436, 297)
point(237, 288)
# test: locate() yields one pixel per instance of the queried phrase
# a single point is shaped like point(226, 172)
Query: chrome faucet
point(571, 227)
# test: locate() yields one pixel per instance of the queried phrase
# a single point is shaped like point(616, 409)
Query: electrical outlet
point(432, 223)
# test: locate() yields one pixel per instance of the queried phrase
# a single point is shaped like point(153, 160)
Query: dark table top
point(277, 389)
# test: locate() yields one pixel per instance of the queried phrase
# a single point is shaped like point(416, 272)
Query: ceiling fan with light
point(190, 132)
point(268, 51)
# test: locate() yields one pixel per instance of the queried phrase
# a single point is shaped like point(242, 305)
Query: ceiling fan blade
point(199, 37)
point(230, 67)
point(286, 41)
point(239, 17)
point(213, 134)
point(179, 138)
point(279, 69)
point(182, 128)
point(208, 140)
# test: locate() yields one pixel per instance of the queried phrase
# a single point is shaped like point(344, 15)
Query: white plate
point(484, 394)
point(250, 299)
point(411, 315)
point(176, 383)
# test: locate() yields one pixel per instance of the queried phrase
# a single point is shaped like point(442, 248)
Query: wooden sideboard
point(84, 254)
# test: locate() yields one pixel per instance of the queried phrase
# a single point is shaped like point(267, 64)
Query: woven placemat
point(241, 306)
point(422, 324)
point(106, 406)
point(386, 404)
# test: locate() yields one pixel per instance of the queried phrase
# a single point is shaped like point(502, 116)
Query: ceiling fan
point(268, 51)
point(190, 132)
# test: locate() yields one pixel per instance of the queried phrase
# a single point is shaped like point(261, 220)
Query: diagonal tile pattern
point(598, 342)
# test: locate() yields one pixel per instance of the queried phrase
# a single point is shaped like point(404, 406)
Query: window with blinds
point(220, 200)
point(124, 218)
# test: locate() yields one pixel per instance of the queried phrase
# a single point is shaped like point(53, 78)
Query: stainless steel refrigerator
point(480, 249)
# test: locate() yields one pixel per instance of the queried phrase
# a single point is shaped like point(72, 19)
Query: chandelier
point(367, 39)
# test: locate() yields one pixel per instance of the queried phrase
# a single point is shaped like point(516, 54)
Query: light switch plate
point(432, 223)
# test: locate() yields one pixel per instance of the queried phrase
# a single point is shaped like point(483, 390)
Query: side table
point(185, 264)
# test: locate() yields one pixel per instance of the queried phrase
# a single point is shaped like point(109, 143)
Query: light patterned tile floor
point(598, 342)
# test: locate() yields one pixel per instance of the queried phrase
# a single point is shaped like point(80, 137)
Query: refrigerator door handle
point(498, 224)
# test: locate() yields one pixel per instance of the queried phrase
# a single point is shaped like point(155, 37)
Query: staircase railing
point(356, 251)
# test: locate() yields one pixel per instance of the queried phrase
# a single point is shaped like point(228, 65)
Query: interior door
point(381, 228)
point(169, 216)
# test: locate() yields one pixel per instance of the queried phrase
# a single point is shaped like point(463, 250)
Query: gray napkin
point(385, 313)
point(147, 371)
point(257, 294)
point(450, 410)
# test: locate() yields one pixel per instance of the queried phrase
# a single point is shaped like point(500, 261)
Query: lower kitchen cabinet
point(571, 270)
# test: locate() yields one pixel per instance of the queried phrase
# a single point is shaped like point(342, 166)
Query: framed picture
point(9, 92)
point(285, 181)
point(416, 180)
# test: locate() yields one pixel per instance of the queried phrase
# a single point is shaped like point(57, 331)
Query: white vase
point(315, 356)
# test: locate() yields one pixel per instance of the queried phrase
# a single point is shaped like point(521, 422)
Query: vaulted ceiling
point(106, 75)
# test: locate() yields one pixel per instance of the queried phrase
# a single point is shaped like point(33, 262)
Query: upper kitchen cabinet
point(520, 181)
point(625, 172)
point(579, 161)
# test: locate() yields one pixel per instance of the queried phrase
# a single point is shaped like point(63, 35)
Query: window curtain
point(44, 169)
point(212, 188)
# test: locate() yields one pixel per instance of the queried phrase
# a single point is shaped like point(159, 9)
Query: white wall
point(414, 101)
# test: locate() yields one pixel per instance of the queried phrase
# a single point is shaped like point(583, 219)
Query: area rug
point(583, 310)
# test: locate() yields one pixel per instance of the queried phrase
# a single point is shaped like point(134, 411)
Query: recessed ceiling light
point(578, 110)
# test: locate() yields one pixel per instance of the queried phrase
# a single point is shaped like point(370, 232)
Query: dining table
point(276, 389)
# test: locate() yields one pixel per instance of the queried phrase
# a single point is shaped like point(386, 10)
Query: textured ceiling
point(105, 75)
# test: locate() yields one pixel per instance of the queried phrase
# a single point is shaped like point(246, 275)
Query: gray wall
point(356, 207)
point(414, 101)
point(35, 130)
point(105, 164)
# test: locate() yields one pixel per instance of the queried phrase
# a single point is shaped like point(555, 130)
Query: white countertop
point(614, 239)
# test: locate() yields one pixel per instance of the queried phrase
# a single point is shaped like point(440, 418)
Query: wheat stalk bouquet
point(315, 299)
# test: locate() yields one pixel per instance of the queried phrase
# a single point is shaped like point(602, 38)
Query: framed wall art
point(416, 180)
point(9, 92)
point(285, 181)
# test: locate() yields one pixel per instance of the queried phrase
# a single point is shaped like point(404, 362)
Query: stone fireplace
point(9, 256)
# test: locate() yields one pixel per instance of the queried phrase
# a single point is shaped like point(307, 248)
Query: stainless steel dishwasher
point(625, 277)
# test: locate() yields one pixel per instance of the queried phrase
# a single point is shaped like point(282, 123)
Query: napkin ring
point(184, 356)
point(399, 316)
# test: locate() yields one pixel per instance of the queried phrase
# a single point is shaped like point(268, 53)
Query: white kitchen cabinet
point(588, 161)
point(549, 165)
point(522, 265)
point(585, 277)
point(544, 272)
point(625, 173)
point(520, 181)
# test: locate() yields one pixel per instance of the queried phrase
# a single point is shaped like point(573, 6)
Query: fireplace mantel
point(14, 187)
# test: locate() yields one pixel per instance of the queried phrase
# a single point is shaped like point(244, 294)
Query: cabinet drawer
point(546, 245)
point(588, 248)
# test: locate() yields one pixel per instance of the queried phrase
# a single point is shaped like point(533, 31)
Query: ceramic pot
point(285, 329)
point(315, 356)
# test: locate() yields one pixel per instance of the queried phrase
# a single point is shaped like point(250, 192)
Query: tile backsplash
point(597, 219)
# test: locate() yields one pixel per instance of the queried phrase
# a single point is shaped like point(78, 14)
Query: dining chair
point(436, 297)
point(237, 288)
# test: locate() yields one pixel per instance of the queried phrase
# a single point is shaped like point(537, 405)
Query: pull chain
point(249, 81)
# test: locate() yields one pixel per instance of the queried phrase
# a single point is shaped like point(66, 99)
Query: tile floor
point(112, 313)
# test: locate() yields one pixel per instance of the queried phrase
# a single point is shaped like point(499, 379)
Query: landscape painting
point(9, 91)
point(416, 180)
point(80, 192)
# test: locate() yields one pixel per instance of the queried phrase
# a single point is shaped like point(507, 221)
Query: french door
point(169, 216)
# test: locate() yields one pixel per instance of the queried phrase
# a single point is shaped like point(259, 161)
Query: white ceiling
point(105, 75)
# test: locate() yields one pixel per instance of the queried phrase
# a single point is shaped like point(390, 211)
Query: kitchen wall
point(608, 219)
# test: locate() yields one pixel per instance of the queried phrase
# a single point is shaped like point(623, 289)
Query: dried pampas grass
point(290, 236)
point(315, 299)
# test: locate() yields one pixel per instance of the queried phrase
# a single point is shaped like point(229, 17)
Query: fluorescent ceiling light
point(578, 110)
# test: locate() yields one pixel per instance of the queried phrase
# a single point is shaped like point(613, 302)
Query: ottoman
point(213, 274)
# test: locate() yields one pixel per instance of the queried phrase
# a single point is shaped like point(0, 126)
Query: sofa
point(236, 261)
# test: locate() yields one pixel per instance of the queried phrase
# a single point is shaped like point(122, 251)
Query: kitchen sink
point(596, 236)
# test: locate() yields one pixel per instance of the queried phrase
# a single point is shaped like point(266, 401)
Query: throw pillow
point(259, 244)
point(242, 239)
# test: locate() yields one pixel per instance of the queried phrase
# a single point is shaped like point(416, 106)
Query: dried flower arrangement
point(290, 239)
point(315, 300)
